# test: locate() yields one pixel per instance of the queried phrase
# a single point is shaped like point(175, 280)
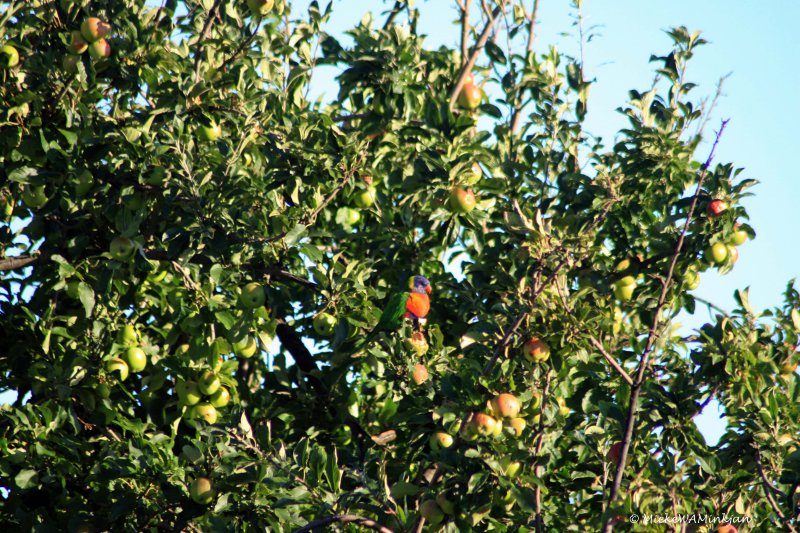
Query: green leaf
point(294, 234)
point(27, 479)
point(86, 295)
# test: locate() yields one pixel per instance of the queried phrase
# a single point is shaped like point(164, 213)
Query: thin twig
point(613, 362)
point(395, 11)
point(198, 56)
point(768, 489)
point(651, 339)
point(473, 58)
point(537, 470)
point(465, 7)
point(344, 519)
point(531, 39)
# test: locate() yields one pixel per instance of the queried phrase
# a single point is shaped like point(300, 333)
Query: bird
point(414, 305)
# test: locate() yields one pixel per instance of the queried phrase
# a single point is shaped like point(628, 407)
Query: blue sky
point(756, 43)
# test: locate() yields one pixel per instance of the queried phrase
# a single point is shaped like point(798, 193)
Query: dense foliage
point(194, 254)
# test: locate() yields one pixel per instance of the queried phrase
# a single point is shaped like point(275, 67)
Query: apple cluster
point(91, 37)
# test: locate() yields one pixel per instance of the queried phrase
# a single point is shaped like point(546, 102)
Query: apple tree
point(196, 252)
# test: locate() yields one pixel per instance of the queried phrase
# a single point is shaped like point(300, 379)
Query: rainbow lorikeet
point(413, 305)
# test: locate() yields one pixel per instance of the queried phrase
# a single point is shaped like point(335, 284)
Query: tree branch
point(473, 58)
point(768, 489)
point(613, 362)
point(652, 336)
point(344, 519)
point(465, 7)
point(13, 263)
point(517, 117)
point(198, 56)
point(537, 470)
point(393, 14)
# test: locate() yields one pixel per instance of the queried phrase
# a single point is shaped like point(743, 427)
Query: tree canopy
point(196, 254)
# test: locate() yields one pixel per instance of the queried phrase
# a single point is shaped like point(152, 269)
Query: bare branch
point(393, 14)
point(537, 470)
point(652, 336)
point(13, 263)
point(613, 362)
point(465, 7)
point(517, 117)
point(473, 58)
point(344, 519)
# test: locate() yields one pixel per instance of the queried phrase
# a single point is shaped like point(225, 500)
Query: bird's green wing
point(393, 313)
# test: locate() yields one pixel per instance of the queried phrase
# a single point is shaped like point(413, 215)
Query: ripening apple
point(260, 7)
point(209, 383)
point(78, 45)
point(221, 398)
point(716, 253)
point(365, 198)
point(94, 29)
point(417, 343)
point(440, 440)
point(623, 288)
point(119, 366)
point(188, 393)
point(505, 405)
point(252, 295)
point(420, 374)
point(136, 358)
point(470, 96)
point(462, 201)
point(510, 467)
point(483, 424)
point(536, 350)
point(733, 253)
point(245, 348)
point(209, 132)
point(324, 323)
point(716, 207)
point(206, 411)
point(9, 57)
point(100, 49)
point(615, 452)
point(121, 248)
point(431, 512)
point(202, 491)
point(517, 426)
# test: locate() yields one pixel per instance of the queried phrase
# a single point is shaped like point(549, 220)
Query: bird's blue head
point(420, 284)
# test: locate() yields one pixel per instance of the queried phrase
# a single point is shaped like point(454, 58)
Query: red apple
point(505, 405)
point(470, 96)
point(420, 374)
point(614, 453)
point(462, 201)
point(100, 49)
point(716, 207)
point(536, 350)
point(94, 29)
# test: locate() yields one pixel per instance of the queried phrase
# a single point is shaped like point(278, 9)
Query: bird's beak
point(428, 289)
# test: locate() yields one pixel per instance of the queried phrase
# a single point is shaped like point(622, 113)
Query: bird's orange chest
point(418, 304)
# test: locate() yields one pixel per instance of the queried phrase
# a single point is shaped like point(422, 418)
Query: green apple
point(100, 49)
point(462, 201)
point(206, 411)
point(94, 29)
point(221, 398)
point(365, 198)
point(202, 491)
point(474, 175)
point(431, 512)
point(127, 336)
point(136, 358)
point(324, 323)
point(84, 181)
point(209, 383)
point(343, 435)
point(119, 366)
point(78, 45)
point(420, 374)
point(260, 7)
point(470, 96)
point(353, 216)
point(739, 236)
point(252, 295)
point(563, 410)
point(440, 440)
point(188, 393)
point(510, 467)
point(623, 288)
point(34, 196)
point(245, 348)
point(9, 57)
point(536, 350)
point(517, 426)
point(121, 248)
point(156, 177)
point(692, 279)
point(447, 506)
point(209, 132)
point(716, 253)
